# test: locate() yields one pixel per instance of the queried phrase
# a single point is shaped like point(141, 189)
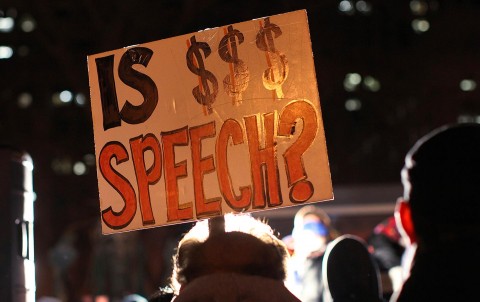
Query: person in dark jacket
point(387, 247)
point(439, 215)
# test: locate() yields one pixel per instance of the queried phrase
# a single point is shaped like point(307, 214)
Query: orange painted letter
point(201, 166)
point(263, 160)
point(121, 219)
point(173, 171)
point(230, 128)
point(146, 177)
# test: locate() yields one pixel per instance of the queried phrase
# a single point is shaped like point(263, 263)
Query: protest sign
point(221, 120)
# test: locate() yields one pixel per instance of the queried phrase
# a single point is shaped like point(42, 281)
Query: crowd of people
point(428, 247)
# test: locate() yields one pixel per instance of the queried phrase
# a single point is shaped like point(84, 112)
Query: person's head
point(441, 179)
point(312, 231)
point(349, 271)
point(134, 298)
point(245, 246)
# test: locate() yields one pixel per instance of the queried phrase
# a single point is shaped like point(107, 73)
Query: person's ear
point(403, 219)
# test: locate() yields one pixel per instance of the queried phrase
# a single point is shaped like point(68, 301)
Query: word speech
point(222, 120)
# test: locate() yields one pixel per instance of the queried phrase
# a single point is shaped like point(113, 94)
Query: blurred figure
point(439, 215)
point(350, 273)
point(134, 298)
point(230, 258)
point(48, 299)
point(311, 233)
point(118, 265)
point(387, 247)
point(163, 294)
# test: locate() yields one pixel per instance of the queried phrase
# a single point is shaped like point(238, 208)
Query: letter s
point(117, 220)
point(130, 113)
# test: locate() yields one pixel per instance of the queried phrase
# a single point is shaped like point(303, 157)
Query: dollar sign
point(237, 81)
point(277, 62)
point(202, 93)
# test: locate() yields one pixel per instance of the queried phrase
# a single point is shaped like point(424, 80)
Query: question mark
point(300, 188)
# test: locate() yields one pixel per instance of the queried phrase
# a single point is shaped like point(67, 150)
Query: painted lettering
point(230, 129)
point(173, 171)
point(117, 220)
point(200, 167)
point(146, 177)
point(263, 159)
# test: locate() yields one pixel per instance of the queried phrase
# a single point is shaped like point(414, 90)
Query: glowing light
point(89, 159)
point(346, 6)
point(79, 168)
point(420, 25)
point(351, 81)
point(468, 85)
point(28, 24)
point(418, 8)
point(30, 276)
point(363, 6)
point(353, 105)
point(80, 99)
point(66, 96)
point(6, 24)
point(371, 83)
point(233, 223)
point(6, 52)
point(464, 118)
point(354, 78)
point(101, 298)
point(62, 166)
point(24, 100)
point(28, 165)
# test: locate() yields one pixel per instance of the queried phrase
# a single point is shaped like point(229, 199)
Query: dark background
point(419, 75)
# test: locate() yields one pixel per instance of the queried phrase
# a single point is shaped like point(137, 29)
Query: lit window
point(80, 99)
point(353, 105)
point(62, 98)
point(65, 96)
point(6, 24)
point(24, 100)
point(28, 24)
point(363, 7)
point(6, 52)
point(371, 83)
point(62, 166)
point(89, 159)
point(346, 6)
point(418, 8)
point(79, 168)
point(420, 25)
point(468, 85)
point(351, 81)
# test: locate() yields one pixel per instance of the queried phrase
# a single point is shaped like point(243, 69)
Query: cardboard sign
point(222, 120)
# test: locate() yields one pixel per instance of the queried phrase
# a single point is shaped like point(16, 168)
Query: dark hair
point(316, 211)
point(248, 246)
